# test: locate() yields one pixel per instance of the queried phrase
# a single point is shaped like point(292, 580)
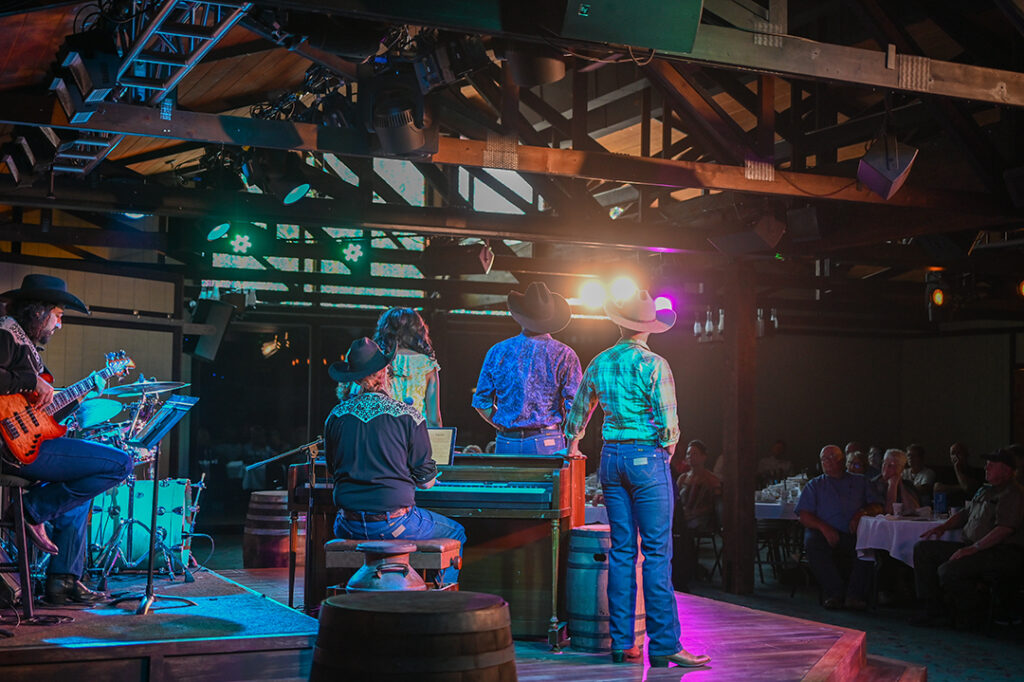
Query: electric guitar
point(24, 426)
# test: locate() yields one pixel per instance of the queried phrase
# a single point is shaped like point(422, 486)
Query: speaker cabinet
point(654, 24)
point(211, 312)
point(885, 166)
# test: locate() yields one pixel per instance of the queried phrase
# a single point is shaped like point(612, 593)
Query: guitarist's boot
point(62, 588)
point(35, 532)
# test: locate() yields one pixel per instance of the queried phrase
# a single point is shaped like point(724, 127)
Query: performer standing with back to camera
point(378, 453)
point(637, 393)
point(70, 472)
point(528, 382)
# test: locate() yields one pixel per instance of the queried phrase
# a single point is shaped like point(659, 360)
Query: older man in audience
point(992, 547)
point(830, 508)
point(892, 487)
point(918, 473)
point(967, 478)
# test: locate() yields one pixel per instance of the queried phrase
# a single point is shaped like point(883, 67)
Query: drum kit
point(118, 540)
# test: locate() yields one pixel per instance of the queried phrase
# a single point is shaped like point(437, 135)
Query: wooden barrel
point(587, 590)
point(267, 527)
point(423, 636)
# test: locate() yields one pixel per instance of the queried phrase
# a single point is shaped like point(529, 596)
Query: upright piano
point(517, 511)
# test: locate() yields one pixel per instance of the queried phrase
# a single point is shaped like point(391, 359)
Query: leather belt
point(375, 516)
point(526, 433)
point(632, 441)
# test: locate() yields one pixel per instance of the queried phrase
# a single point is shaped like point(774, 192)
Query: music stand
point(170, 413)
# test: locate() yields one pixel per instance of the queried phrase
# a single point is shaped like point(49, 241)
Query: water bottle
point(939, 503)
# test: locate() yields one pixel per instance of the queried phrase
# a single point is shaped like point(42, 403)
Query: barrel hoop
point(349, 662)
point(282, 532)
point(413, 623)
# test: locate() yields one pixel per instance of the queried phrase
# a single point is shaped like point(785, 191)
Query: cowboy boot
point(34, 532)
point(62, 588)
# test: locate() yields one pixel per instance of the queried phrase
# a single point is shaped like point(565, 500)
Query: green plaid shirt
point(636, 392)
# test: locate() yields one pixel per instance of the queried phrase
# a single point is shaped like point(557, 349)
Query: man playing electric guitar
point(70, 472)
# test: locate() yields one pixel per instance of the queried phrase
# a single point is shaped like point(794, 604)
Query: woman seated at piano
point(378, 453)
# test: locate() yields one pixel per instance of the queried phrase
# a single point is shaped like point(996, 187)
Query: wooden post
point(739, 526)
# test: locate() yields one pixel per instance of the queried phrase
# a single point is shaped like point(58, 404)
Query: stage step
point(880, 669)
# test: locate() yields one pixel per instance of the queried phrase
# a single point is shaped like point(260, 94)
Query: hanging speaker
point(216, 314)
point(651, 24)
point(765, 235)
point(885, 165)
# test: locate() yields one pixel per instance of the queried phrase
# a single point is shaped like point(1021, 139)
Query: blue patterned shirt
point(529, 380)
point(637, 394)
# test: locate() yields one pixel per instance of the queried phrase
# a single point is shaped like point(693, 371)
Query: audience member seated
point(830, 508)
point(875, 455)
point(948, 573)
point(919, 474)
point(891, 486)
point(774, 466)
point(856, 462)
point(963, 479)
point(699, 490)
point(894, 578)
point(855, 447)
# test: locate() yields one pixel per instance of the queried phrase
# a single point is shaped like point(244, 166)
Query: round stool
point(386, 568)
point(423, 636)
point(587, 590)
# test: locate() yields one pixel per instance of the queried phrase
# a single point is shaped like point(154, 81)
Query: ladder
point(165, 45)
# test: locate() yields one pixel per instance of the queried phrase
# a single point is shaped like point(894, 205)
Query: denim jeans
point(418, 524)
point(73, 472)
point(547, 443)
point(837, 569)
point(637, 488)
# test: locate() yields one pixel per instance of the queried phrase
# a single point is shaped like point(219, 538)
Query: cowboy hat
point(47, 289)
point(364, 358)
point(539, 310)
point(639, 314)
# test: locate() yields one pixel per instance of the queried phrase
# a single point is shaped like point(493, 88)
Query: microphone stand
point(293, 533)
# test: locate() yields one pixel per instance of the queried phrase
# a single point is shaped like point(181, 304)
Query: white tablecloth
point(774, 510)
point(897, 536)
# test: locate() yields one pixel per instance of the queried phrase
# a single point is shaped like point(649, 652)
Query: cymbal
point(144, 388)
point(96, 411)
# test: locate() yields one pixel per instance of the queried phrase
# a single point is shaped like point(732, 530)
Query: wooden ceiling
point(757, 131)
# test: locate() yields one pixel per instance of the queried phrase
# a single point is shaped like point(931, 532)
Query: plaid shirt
point(636, 392)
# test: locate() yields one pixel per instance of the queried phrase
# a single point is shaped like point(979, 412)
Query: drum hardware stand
point(112, 552)
point(311, 450)
point(170, 413)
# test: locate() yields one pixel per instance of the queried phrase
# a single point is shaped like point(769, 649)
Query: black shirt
point(16, 371)
point(378, 450)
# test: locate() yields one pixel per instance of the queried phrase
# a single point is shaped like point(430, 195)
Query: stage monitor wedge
point(646, 24)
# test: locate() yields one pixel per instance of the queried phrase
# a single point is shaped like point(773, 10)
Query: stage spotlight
point(393, 107)
point(269, 348)
point(623, 288)
point(592, 294)
point(937, 294)
point(278, 173)
point(532, 64)
point(1020, 288)
point(218, 231)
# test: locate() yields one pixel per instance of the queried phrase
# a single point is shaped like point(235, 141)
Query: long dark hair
point(31, 316)
point(403, 328)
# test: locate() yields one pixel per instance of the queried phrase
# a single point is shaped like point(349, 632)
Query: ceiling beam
point(566, 163)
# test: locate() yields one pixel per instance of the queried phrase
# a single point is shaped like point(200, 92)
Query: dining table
point(897, 535)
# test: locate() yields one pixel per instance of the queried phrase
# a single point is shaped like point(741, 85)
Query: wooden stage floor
point(241, 630)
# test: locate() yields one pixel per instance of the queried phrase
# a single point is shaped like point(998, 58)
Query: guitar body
point(24, 428)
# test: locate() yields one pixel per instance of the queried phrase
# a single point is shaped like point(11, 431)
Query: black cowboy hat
point(1004, 455)
point(364, 358)
point(539, 310)
point(47, 289)
point(639, 314)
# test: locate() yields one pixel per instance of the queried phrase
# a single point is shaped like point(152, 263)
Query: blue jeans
point(637, 486)
point(72, 472)
point(547, 443)
point(418, 524)
point(837, 569)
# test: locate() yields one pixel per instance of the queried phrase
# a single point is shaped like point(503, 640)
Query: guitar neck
point(76, 391)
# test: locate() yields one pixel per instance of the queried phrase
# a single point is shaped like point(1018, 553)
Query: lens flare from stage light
point(938, 297)
point(592, 294)
point(623, 288)
point(663, 303)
